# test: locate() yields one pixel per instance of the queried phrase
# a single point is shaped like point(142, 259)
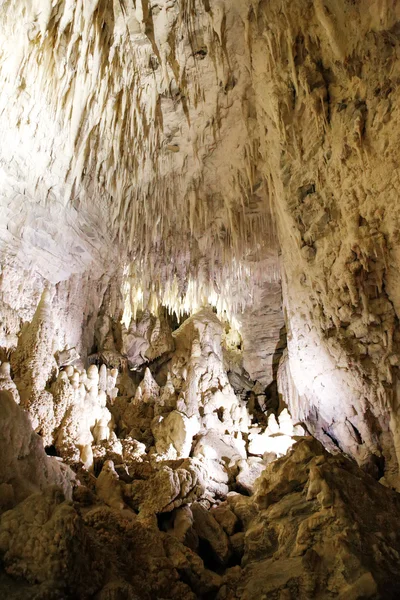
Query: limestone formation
point(210, 531)
point(108, 486)
point(174, 434)
point(199, 299)
point(309, 505)
point(24, 466)
point(6, 382)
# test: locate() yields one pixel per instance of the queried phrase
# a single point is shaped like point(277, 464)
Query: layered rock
point(264, 337)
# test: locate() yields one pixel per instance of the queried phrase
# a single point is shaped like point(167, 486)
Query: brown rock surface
point(323, 529)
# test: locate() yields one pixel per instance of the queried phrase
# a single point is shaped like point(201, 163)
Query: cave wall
point(263, 333)
point(76, 304)
point(168, 143)
point(326, 77)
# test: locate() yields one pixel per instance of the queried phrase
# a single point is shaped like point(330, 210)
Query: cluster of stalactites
point(229, 288)
point(105, 82)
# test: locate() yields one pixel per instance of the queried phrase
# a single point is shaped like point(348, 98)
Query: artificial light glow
point(196, 296)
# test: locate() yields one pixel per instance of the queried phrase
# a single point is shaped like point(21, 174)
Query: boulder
point(210, 532)
point(173, 434)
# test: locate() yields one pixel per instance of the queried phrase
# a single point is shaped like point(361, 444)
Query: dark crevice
point(51, 450)
point(356, 432)
point(332, 438)
point(208, 556)
point(201, 54)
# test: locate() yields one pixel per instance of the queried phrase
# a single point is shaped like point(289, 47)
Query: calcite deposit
point(195, 483)
point(199, 299)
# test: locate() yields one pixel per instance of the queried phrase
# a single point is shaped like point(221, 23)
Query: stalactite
point(83, 71)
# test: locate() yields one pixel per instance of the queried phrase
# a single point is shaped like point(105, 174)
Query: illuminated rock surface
point(199, 266)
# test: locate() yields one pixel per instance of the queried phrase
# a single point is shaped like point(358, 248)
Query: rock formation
point(199, 305)
point(25, 467)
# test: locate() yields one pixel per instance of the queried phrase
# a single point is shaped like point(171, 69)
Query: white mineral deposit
point(199, 299)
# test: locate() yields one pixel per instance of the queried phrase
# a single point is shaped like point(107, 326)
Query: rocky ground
point(167, 473)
